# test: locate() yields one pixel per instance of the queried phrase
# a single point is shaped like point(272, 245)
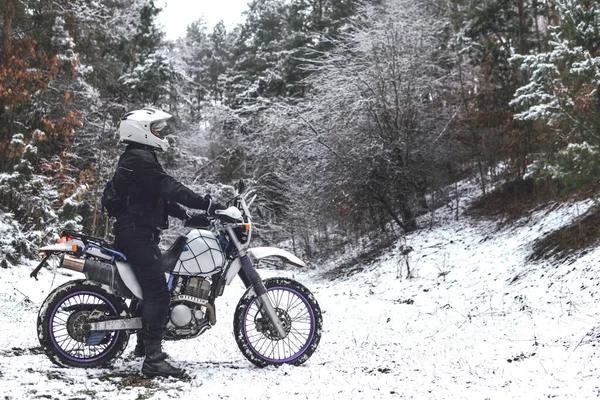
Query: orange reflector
point(247, 227)
point(75, 248)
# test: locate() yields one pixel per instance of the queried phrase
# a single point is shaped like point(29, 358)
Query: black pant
point(140, 246)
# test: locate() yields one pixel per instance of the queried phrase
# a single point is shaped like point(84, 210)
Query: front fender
point(256, 253)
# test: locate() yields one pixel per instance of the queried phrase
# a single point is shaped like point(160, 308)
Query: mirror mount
point(241, 186)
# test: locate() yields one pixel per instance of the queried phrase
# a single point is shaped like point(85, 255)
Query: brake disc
point(264, 325)
point(77, 326)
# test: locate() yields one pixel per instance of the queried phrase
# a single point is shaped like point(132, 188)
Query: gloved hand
point(213, 206)
point(197, 221)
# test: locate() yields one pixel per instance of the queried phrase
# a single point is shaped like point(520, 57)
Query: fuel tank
point(202, 254)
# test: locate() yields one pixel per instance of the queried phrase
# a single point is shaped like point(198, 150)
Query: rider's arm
point(175, 210)
point(154, 177)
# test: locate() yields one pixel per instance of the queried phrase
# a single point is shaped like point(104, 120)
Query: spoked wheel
point(63, 325)
point(301, 318)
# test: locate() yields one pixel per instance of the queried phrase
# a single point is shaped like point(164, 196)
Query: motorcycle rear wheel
point(300, 314)
point(61, 325)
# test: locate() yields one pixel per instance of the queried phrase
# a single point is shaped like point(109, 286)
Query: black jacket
point(152, 194)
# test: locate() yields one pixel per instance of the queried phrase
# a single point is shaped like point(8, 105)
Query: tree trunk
point(474, 134)
point(408, 216)
point(9, 15)
point(457, 199)
point(540, 47)
point(392, 214)
point(106, 226)
point(522, 27)
point(98, 178)
point(598, 106)
point(293, 242)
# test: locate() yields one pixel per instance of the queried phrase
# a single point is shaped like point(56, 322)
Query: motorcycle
point(87, 322)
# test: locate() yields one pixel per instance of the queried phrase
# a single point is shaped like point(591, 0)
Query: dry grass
point(570, 240)
point(518, 199)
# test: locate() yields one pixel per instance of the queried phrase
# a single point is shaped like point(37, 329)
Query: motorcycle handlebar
point(204, 221)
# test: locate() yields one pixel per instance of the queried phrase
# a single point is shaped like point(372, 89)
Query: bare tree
point(380, 112)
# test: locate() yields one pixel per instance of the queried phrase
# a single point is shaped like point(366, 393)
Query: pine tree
point(488, 35)
point(563, 93)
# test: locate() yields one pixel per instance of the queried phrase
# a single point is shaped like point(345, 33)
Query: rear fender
point(63, 247)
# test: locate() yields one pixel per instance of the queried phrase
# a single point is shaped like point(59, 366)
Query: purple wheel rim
point(308, 341)
point(60, 349)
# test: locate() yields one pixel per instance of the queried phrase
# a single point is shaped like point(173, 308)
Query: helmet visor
point(158, 126)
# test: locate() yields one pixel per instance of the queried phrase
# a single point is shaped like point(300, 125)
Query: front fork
point(250, 277)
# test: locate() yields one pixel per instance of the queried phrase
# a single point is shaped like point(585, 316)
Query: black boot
point(140, 349)
point(155, 364)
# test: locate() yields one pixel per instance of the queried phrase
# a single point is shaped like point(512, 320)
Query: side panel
point(93, 251)
point(129, 279)
point(256, 253)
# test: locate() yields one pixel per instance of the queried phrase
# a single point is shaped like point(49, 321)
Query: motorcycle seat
point(171, 256)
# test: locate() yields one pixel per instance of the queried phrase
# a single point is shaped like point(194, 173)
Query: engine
point(198, 287)
point(190, 311)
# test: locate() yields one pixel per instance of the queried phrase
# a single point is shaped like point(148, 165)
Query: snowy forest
point(348, 117)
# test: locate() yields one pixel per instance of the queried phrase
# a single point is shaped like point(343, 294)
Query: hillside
point(477, 321)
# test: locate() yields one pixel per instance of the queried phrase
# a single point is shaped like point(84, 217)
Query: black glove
point(213, 205)
point(197, 221)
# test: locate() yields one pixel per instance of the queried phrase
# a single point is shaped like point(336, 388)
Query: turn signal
point(75, 248)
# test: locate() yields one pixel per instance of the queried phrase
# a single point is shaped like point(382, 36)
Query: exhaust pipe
point(98, 271)
point(72, 263)
point(90, 267)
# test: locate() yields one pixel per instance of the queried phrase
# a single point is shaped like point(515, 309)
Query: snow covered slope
point(476, 322)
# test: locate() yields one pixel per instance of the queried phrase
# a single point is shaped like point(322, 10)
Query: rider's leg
point(141, 249)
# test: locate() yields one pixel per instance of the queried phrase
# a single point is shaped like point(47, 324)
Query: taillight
point(64, 239)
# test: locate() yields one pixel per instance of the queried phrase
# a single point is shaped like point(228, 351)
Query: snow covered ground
point(476, 322)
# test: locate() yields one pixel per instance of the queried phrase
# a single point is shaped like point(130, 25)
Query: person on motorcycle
point(151, 196)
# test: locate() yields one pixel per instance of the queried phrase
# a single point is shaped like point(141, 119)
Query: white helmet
point(143, 126)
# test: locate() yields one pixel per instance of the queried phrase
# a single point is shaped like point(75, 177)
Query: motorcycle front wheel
point(62, 325)
point(300, 315)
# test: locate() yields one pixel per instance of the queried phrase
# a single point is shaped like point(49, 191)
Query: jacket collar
point(132, 146)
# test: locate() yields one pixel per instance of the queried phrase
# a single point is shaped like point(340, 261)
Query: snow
point(476, 322)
